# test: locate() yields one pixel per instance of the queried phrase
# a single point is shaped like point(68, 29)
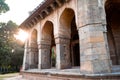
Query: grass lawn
point(2, 76)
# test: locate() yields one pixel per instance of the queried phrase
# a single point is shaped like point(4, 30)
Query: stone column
point(44, 56)
point(25, 58)
point(94, 52)
point(62, 53)
point(33, 55)
point(93, 49)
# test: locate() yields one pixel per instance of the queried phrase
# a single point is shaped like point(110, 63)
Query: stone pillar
point(93, 49)
point(94, 52)
point(62, 53)
point(44, 56)
point(25, 58)
point(33, 55)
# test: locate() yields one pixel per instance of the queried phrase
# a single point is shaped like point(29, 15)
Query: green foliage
point(3, 6)
point(53, 57)
point(11, 53)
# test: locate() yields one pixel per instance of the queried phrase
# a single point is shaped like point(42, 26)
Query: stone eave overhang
point(40, 12)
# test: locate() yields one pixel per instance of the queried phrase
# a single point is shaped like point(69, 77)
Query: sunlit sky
point(19, 10)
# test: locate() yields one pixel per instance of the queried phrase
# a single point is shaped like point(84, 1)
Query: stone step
point(116, 68)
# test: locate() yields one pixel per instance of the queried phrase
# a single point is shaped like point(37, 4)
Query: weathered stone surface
point(90, 19)
point(91, 50)
point(44, 57)
point(67, 74)
point(63, 54)
point(88, 12)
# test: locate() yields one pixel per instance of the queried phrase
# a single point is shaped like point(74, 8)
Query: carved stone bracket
point(45, 42)
point(31, 49)
point(43, 46)
point(62, 41)
point(33, 44)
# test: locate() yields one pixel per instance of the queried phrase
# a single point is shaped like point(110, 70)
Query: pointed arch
point(34, 35)
point(48, 39)
point(65, 22)
point(66, 17)
point(47, 30)
point(68, 29)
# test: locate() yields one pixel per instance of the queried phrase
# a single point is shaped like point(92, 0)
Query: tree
point(11, 53)
point(3, 6)
point(6, 41)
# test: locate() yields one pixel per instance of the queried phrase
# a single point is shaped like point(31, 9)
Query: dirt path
point(19, 77)
point(11, 76)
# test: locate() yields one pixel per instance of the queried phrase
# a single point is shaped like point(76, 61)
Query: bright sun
point(22, 35)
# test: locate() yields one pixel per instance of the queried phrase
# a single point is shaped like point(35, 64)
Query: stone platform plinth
point(66, 74)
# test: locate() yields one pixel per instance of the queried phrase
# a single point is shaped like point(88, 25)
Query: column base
point(95, 67)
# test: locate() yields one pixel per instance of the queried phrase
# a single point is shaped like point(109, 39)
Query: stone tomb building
point(73, 40)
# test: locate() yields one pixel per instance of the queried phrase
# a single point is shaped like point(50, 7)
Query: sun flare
point(22, 35)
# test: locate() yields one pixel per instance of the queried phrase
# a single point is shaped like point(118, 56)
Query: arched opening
point(48, 38)
point(34, 49)
point(75, 50)
point(113, 27)
point(69, 30)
